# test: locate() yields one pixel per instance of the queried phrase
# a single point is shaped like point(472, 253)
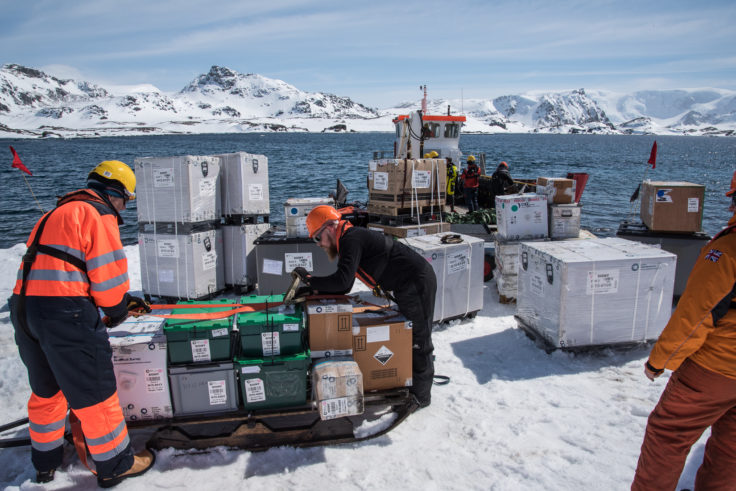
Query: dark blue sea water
point(305, 165)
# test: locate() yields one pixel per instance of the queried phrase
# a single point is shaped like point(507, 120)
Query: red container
point(581, 179)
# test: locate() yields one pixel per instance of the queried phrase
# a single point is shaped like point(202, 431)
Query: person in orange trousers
point(699, 344)
point(74, 265)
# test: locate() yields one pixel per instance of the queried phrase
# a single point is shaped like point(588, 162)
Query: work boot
point(45, 476)
point(142, 461)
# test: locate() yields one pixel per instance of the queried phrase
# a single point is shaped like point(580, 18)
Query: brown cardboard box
point(404, 231)
point(382, 348)
point(337, 388)
point(330, 327)
point(672, 206)
point(558, 190)
point(405, 183)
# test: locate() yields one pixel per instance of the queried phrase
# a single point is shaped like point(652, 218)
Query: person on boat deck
point(501, 182)
point(699, 345)
point(79, 267)
point(385, 266)
point(470, 184)
point(451, 183)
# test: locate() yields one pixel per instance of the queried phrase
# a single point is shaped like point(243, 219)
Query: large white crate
point(296, 211)
point(182, 266)
point(241, 266)
point(459, 271)
point(183, 189)
point(596, 291)
point(521, 216)
point(244, 184)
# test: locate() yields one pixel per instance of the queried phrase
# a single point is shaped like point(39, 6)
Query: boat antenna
point(424, 99)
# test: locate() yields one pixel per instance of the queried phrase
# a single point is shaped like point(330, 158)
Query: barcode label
point(254, 390)
point(201, 350)
point(154, 380)
point(291, 327)
point(270, 343)
point(334, 408)
point(216, 333)
point(218, 394)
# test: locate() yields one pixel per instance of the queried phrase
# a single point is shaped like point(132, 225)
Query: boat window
point(433, 129)
point(451, 130)
point(398, 131)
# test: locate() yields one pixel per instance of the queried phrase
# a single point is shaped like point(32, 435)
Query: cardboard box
point(564, 221)
point(558, 190)
point(244, 184)
point(403, 231)
point(382, 344)
point(521, 216)
point(595, 292)
point(139, 361)
point(672, 206)
point(330, 325)
point(407, 183)
point(337, 388)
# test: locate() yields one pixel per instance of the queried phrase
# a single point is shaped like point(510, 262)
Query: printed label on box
point(536, 285)
point(693, 205)
point(329, 307)
point(207, 186)
point(201, 350)
point(272, 267)
point(254, 390)
point(209, 260)
point(291, 327)
point(663, 196)
point(605, 281)
point(372, 165)
point(166, 275)
point(457, 262)
point(377, 334)
point(167, 248)
point(415, 232)
point(155, 379)
point(216, 333)
point(294, 260)
point(217, 391)
point(383, 355)
point(421, 178)
point(334, 408)
point(251, 369)
point(255, 192)
point(163, 178)
point(270, 343)
point(380, 181)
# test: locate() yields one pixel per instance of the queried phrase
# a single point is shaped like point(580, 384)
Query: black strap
point(441, 380)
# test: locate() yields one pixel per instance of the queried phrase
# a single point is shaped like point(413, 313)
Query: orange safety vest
point(79, 253)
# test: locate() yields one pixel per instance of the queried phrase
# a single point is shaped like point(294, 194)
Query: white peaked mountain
point(35, 104)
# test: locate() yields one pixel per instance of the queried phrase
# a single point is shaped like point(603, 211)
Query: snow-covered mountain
point(33, 103)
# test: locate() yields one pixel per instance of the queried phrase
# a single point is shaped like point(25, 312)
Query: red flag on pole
point(653, 156)
point(17, 162)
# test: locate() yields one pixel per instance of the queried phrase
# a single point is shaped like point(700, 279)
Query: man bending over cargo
point(383, 265)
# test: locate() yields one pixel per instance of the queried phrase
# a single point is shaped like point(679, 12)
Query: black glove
point(303, 274)
point(137, 304)
point(115, 320)
point(303, 291)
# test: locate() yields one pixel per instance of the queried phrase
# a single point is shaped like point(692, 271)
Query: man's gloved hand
point(303, 274)
point(115, 320)
point(137, 304)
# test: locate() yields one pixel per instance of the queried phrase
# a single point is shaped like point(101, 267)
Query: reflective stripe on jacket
point(85, 227)
point(703, 327)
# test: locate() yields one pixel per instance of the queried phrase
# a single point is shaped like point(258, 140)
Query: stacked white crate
point(178, 210)
point(241, 265)
point(296, 211)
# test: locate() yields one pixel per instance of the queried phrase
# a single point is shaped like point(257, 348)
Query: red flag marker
point(653, 156)
point(18, 164)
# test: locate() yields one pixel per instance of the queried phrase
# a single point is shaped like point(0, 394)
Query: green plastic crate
point(199, 341)
point(278, 331)
point(272, 383)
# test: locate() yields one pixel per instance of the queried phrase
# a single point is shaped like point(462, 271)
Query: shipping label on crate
point(663, 196)
point(457, 262)
point(270, 343)
point(217, 392)
point(255, 391)
point(380, 181)
point(218, 333)
point(255, 192)
point(294, 260)
point(536, 285)
point(273, 267)
point(167, 248)
point(163, 178)
point(207, 187)
point(378, 333)
point(154, 378)
point(421, 178)
point(209, 260)
point(693, 205)
point(383, 355)
point(201, 350)
point(335, 408)
point(604, 281)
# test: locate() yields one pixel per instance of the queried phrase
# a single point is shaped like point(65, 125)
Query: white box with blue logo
point(296, 211)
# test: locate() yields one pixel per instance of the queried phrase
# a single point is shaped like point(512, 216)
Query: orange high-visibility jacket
point(85, 227)
point(703, 327)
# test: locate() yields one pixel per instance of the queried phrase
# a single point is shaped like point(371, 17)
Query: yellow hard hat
point(115, 174)
point(433, 154)
point(427, 156)
point(471, 158)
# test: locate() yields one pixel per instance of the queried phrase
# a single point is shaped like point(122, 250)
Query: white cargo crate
point(177, 189)
point(240, 264)
point(595, 292)
point(182, 266)
point(244, 184)
point(521, 216)
point(459, 271)
point(296, 211)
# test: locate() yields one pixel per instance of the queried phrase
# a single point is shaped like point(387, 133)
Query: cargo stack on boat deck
point(178, 213)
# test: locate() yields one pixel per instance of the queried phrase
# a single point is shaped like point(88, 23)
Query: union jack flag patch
point(713, 255)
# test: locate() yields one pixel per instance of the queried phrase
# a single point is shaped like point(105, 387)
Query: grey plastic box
point(244, 184)
point(240, 253)
point(202, 389)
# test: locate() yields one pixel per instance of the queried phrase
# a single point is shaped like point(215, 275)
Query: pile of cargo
point(269, 358)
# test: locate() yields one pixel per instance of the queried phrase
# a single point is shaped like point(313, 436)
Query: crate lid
point(194, 324)
point(298, 360)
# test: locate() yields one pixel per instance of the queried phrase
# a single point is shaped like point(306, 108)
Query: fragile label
point(166, 275)
point(272, 267)
point(217, 391)
point(693, 205)
point(270, 343)
point(421, 179)
point(536, 285)
point(207, 186)
point(218, 333)
point(201, 350)
point(167, 248)
point(294, 260)
point(378, 334)
point(380, 181)
point(254, 390)
point(209, 260)
point(605, 281)
point(383, 355)
point(457, 262)
point(291, 327)
point(163, 178)
point(255, 192)
point(334, 408)
point(154, 379)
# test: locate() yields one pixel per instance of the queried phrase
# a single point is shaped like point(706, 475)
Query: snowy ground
point(513, 418)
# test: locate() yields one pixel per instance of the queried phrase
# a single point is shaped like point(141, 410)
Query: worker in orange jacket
point(74, 265)
point(699, 345)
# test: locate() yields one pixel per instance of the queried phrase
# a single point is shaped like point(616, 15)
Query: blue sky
point(379, 52)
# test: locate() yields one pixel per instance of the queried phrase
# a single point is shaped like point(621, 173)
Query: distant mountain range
point(35, 104)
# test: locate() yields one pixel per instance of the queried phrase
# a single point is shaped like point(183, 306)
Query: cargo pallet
point(263, 429)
